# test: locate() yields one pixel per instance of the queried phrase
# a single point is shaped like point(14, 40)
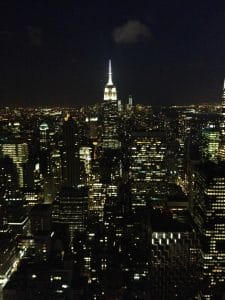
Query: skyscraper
point(223, 105)
point(210, 139)
point(44, 135)
point(71, 167)
point(222, 126)
point(147, 169)
point(71, 204)
point(70, 208)
point(18, 152)
point(110, 115)
point(207, 186)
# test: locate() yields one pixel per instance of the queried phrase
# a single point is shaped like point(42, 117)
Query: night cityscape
point(112, 150)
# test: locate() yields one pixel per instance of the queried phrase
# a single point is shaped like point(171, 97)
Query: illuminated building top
point(110, 89)
point(43, 126)
point(66, 118)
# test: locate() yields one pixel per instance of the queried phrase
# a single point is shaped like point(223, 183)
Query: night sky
point(55, 52)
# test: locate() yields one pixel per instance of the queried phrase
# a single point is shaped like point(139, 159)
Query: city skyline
point(112, 150)
point(162, 53)
point(94, 200)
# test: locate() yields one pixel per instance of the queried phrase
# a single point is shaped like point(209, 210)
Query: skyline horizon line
point(108, 81)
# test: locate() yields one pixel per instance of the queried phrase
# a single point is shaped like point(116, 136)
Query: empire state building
point(110, 93)
point(110, 115)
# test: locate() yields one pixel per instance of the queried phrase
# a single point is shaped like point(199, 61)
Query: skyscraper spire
point(110, 74)
point(110, 89)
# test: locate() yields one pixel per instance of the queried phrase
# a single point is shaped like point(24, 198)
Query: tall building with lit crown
point(110, 115)
point(44, 135)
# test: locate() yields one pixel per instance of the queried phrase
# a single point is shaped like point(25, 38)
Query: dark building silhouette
point(71, 167)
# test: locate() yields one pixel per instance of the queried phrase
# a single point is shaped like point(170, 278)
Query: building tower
point(222, 126)
point(44, 136)
point(147, 167)
point(110, 90)
point(207, 205)
point(71, 204)
point(223, 101)
point(110, 114)
point(210, 141)
point(71, 166)
point(17, 151)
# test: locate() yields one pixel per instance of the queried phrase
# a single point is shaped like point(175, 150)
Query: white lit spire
point(110, 74)
point(110, 89)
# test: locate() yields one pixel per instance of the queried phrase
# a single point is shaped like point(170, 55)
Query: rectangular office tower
point(17, 151)
point(207, 186)
point(147, 167)
point(70, 208)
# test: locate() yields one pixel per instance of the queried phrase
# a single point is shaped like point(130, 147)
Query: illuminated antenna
point(110, 74)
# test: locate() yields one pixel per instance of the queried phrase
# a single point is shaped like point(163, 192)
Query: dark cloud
point(131, 32)
point(35, 35)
